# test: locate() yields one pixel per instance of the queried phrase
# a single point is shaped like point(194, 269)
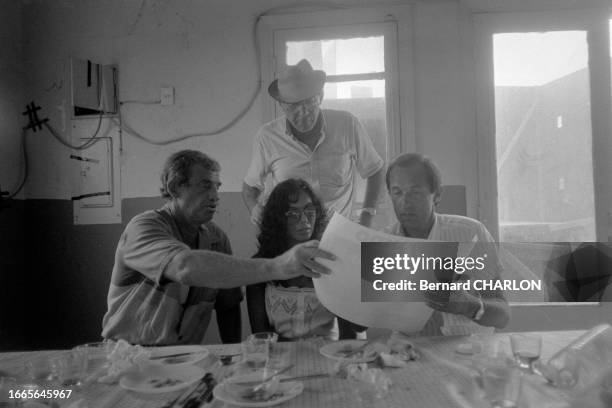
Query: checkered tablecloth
point(422, 384)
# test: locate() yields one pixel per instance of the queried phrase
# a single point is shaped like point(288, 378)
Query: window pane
point(362, 100)
point(340, 56)
point(543, 137)
point(371, 89)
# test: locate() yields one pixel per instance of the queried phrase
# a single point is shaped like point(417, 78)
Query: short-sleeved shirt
point(455, 228)
point(146, 308)
point(329, 168)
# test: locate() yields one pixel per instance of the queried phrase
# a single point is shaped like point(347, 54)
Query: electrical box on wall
point(97, 188)
point(94, 88)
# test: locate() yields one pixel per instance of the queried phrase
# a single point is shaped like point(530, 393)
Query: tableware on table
point(97, 358)
point(159, 379)
point(339, 350)
point(305, 377)
point(593, 349)
point(255, 353)
point(284, 392)
point(266, 375)
point(39, 368)
point(178, 355)
point(501, 386)
point(271, 337)
point(227, 359)
point(526, 349)
point(201, 390)
point(370, 385)
point(70, 367)
point(254, 386)
point(566, 373)
point(279, 356)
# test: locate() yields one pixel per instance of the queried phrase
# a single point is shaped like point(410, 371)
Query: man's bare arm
point(250, 195)
point(216, 270)
point(374, 186)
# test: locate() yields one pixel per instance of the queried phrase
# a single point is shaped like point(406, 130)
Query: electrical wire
point(24, 152)
point(94, 138)
point(157, 102)
point(251, 101)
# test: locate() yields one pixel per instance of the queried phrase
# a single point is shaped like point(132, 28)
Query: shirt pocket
point(335, 169)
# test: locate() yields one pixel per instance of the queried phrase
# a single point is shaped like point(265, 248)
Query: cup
point(502, 386)
point(255, 353)
point(485, 344)
point(96, 355)
point(370, 385)
point(70, 367)
point(526, 349)
point(279, 356)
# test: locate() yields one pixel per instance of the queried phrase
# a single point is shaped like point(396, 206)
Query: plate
point(197, 353)
point(337, 351)
point(286, 391)
point(158, 379)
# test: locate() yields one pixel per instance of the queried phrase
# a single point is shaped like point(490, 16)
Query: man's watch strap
point(369, 210)
point(481, 309)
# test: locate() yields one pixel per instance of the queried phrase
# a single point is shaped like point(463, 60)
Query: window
point(358, 51)
point(544, 149)
point(544, 159)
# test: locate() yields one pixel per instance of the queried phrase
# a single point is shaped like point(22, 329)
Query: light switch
point(167, 95)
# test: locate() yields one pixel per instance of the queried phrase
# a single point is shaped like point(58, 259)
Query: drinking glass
point(70, 367)
point(526, 349)
point(96, 355)
point(270, 337)
point(39, 368)
point(501, 385)
point(279, 356)
point(255, 353)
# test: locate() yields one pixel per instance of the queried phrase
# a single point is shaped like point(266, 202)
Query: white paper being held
point(340, 292)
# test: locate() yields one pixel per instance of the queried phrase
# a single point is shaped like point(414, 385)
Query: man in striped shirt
point(415, 187)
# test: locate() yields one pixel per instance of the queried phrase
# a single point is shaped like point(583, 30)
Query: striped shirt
point(146, 308)
point(456, 228)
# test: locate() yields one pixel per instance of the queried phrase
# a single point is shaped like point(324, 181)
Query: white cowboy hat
point(299, 82)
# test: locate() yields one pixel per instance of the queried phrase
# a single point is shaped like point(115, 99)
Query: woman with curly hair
point(292, 214)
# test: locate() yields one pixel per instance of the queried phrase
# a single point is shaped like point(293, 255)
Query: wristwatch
point(369, 210)
point(480, 311)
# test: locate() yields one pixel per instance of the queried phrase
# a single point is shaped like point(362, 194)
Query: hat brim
point(316, 86)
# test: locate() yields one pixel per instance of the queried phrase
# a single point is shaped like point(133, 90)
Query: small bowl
point(234, 385)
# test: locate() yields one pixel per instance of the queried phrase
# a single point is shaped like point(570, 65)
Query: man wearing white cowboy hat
point(324, 147)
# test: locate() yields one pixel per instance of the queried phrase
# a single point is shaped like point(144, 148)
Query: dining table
point(428, 381)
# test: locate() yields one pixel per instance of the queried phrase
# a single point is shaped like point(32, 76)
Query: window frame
point(547, 316)
point(393, 21)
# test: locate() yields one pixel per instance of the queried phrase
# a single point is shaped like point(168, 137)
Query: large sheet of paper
point(340, 292)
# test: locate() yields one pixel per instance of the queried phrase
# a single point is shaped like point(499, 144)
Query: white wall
point(12, 101)
point(204, 50)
